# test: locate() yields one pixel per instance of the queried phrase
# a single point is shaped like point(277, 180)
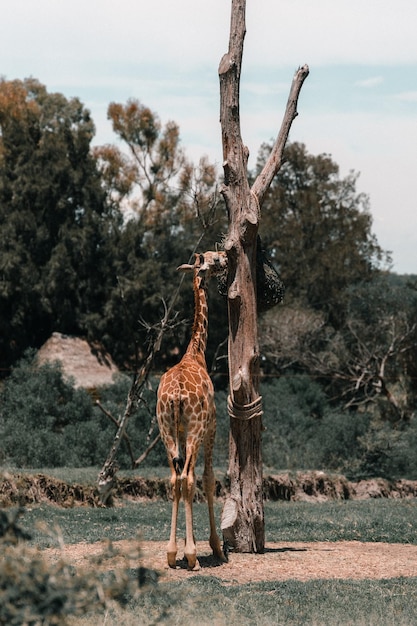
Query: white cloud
point(368, 83)
point(407, 96)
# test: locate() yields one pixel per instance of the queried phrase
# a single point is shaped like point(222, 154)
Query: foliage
point(90, 242)
point(54, 218)
point(369, 363)
point(141, 428)
point(318, 230)
point(91, 238)
point(34, 591)
point(37, 407)
point(45, 421)
point(304, 432)
point(382, 340)
point(169, 207)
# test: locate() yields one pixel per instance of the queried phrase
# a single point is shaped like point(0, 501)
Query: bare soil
point(281, 561)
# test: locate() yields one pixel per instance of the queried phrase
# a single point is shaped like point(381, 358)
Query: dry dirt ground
point(281, 561)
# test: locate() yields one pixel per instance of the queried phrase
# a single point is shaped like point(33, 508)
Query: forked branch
point(274, 162)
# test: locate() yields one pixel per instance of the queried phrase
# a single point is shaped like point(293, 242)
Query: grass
point(391, 521)
point(387, 520)
point(292, 602)
point(205, 601)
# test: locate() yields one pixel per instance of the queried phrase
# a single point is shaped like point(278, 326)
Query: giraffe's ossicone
point(186, 416)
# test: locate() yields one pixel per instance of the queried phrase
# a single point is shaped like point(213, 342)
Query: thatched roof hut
point(89, 366)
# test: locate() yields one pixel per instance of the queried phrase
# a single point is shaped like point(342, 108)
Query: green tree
point(318, 230)
point(55, 218)
point(169, 207)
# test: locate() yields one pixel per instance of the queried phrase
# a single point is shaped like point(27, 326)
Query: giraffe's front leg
point(176, 496)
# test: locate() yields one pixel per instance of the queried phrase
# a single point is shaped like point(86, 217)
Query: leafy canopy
point(318, 230)
point(54, 217)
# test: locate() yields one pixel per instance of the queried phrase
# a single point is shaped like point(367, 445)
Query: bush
point(304, 432)
point(46, 422)
point(38, 409)
point(142, 427)
point(34, 590)
point(389, 449)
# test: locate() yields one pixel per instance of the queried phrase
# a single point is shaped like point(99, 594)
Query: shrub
point(37, 407)
point(34, 590)
point(304, 432)
point(46, 422)
point(142, 427)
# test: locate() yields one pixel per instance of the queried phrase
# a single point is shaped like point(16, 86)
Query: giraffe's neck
point(198, 341)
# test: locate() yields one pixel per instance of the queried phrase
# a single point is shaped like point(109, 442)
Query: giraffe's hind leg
point(176, 496)
point(188, 491)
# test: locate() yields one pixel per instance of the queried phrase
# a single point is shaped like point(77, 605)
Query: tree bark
point(243, 513)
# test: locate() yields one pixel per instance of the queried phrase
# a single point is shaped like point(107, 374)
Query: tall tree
point(243, 513)
point(54, 217)
point(169, 207)
point(318, 229)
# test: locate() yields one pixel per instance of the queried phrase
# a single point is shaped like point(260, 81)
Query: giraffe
point(186, 416)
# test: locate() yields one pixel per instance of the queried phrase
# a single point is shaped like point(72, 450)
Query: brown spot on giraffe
point(186, 416)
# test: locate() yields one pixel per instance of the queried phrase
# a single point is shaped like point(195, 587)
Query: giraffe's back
point(187, 389)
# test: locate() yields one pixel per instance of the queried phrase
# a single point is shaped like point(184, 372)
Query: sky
point(359, 103)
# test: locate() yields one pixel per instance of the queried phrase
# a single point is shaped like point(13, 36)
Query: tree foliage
point(318, 230)
point(72, 258)
point(54, 217)
point(89, 244)
point(172, 208)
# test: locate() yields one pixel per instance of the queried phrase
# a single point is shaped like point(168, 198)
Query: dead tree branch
point(274, 162)
point(116, 423)
point(144, 454)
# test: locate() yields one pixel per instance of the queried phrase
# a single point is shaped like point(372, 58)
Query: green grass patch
point(392, 521)
point(204, 601)
point(320, 602)
point(387, 520)
point(88, 475)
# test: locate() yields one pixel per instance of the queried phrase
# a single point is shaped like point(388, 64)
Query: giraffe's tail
point(177, 461)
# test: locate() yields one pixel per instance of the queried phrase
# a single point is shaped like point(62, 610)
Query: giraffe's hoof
point(221, 557)
point(192, 561)
point(172, 559)
point(217, 551)
point(194, 565)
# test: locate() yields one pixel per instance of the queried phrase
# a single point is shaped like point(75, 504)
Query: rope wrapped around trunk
point(245, 412)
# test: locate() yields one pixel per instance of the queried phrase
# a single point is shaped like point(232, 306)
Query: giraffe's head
point(206, 264)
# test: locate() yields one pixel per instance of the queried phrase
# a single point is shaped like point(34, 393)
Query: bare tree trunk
point(243, 513)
